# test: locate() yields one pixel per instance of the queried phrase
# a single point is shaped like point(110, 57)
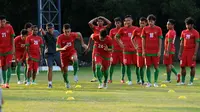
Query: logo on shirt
point(3, 34)
point(151, 35)
point(35, 42)
point(187, 36)
point(68, 44)
point(129, 34)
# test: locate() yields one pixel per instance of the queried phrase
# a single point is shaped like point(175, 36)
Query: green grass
point(117, 98)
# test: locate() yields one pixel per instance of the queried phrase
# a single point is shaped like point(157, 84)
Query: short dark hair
point(143, 19)
point(117, 19)
point(28, 25)
point(24, 32)
point(151, 17)
point(66, 26)
point(128, 16)
point(172, 21)
point(100, 18)
point(50, 25)
point(34, 26)
point(103, 33)
point(2, 17)
point(189, 20)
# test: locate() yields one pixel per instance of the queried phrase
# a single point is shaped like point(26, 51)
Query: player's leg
point(64, 64)
point(111, 72)
point(183, 64)
point(166, 62)
point(18, 71)
point(9, 71)
point(49, 60)
point(123, 72)
point(4, 69)
point(29, 71)
point(137, 70)
point(105, 69)
point(25, 71)
point(148, 62)
point(192, 65)
point(192, 75)
point(156, 61)
point(94, 79)
point(114, 61)
point(141, 65)
point(75, 66)
point(98, 62)
point(35, 70)
point(128, 62)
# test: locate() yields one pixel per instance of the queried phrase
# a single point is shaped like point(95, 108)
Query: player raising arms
point(170, 51)
point(96, 29)
point(65, 44)
point(123, 38)
point(188, 50)
point(34, 44)
point(117, 54)
point(137, 42)
point(102, 56)
point(151, 48)
point(20, 54)
point(7, 49)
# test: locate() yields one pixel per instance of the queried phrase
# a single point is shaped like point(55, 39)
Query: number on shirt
point(100, 46)
point(3, 35)
point(187, 36)
point(69, 44)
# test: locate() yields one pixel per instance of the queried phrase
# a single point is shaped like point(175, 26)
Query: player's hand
point(179, 56)
point(106, 48)
point(143, 54)
point(23, 45)
point(159, 54)
point(64, 48)
point(194, 57)
point(166, 54)
point(121, 45)
point(85, 46)
point(136, 46)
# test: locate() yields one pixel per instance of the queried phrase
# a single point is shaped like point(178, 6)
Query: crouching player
point(102, 56)
point(34, 44)
point(65, 44)
point(20, 55)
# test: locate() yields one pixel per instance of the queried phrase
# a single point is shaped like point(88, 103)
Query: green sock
point(191, 78)
point(18, 71)
point(75, 66)
point(123, 71)
point(65, 77)
point(4, 76)
point(137, 73)
point(94, 74)
point(106, 76)
point(99, 73)
point(28, 79)
point(8, 75)
point(142, 74)
point(183, 78)
point(111, 71)
point(156, 72)
point(168, 76)
point(128, 68)
point(149, 74)
point(174, 70)
point(25, 72)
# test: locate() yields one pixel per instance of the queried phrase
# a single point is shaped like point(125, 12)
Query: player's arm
point(133, 40)
point(43, 33)
point(181, 47)
point(117, 37)
point(109, 23)
point(41, 46)
point(58, 45)
point(27, 50)
point(80, 37)
point(160, 41)
point(143, 36)
point(196, 46)
point(12, 39)
point(91, 23)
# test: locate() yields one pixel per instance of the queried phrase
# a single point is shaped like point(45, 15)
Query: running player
point(170, 51)
point(188, 50)
point(123, 38)
point(151, 48)
point(137, 42)
point(20, 54)
point(65, 44)
point(96, 29)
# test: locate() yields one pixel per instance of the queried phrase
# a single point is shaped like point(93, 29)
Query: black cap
point(50, 25)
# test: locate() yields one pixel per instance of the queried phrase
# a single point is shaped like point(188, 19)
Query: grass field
point(117, 98)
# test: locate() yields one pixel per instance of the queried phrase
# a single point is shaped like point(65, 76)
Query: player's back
point(19, 43)
point(170, 37)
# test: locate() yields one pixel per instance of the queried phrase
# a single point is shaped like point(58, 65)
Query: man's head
point(128, 20)
point(3, 20)
point(189, 23)
point(151, 19)
point(118, 22)
point(103, 34)
point(24, 33)
point(100, 21)
point(67, 29)
point(50, 27)
point(35, 30)
point(170, 24)
point(28, 26)
point(143, 22)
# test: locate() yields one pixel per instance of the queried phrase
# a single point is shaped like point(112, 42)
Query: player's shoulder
point(134, 27)
point(146, 27)
point(195, 31)
point(109, 38)
point(158, 27)
point(60, 36)
point(17, 37)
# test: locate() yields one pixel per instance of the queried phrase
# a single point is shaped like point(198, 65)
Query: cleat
point(148, 85)
point(76, 78)
point(3, 86)
point(180, 84)
point(27, 83)
point(100, 86)
point(19, 82)
point(94, 80)
point(50, 86)
point(129, 83)
point(166, 81)
point(178, 78)
point(7, 85)
point(190, 84)
point(139, 83)
point(155, 85)
point(110, 81)
point(105, 85)
point(33, 83)
point(68, 85)
point(122, 81)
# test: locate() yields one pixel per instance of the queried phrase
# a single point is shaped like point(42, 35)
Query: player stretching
point(151, 48)
point(34, 45)
point(7, 49)
point(20, 54)
point(123, 38)
point(65, 44)
point(96, 29)
point(137, 42)
point(188, 50)
point(117, 54)
point(170, 51)
point(102, 56)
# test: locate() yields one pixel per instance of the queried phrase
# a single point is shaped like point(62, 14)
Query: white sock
point(50, 82)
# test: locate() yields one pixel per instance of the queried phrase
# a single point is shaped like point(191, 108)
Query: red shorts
point(186, 60)
point(168, 60)
point(67, 59)
point(103, 62)
point(149, 60)
point(130, 59)
point(140, 61)
point(117, 57)
point(32, 65)
point(19, 56)
point(6, 60)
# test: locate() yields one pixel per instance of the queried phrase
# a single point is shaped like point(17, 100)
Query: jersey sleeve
point(110, 44)
point(16, 41)
point(12, 33)
point(111, 34)
point(58, 43)
point(171, 37)
point(197, 37)
point(119, 33)
point(143, 34)
point(75, 35)
point(27, 42)
point(134, 33)
point(182, 36)
point(160, 35)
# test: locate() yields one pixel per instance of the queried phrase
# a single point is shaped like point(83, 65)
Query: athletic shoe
point(105, 85)
point(67, 85)
point(178, 78)
point(100, 86)
point(129, 83)
point(180, 84)
point(166, 81)
point(190, 84)
point(27, 83)
point(140, 82)
point(148, 85)
point(50, 86)
point(7, 85)
point(33, 83)
point(155, 85)
point(110, 81)
point(3, 85)
point(122, 81)
point(76, 78)
point(19, 82)
point(94, 80)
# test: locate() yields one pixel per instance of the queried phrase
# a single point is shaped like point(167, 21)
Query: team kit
point(127, 45)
